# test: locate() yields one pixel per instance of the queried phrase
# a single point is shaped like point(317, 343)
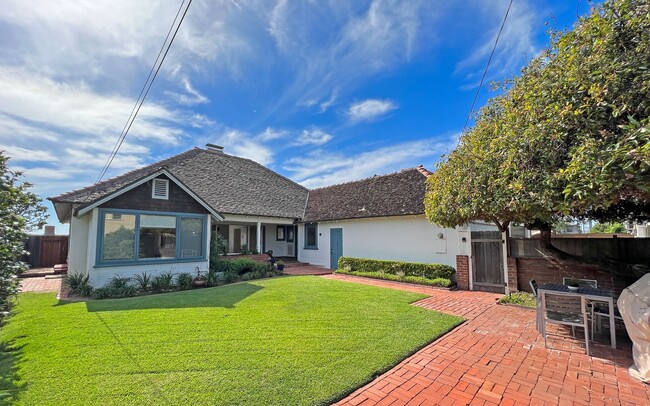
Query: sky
point(320, 91)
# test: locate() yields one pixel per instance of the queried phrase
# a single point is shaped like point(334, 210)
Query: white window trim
point(153, 189)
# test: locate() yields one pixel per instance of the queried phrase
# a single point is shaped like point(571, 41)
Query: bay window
point(141, 237)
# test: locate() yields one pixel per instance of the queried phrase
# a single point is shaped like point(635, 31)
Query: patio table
point(585, 293)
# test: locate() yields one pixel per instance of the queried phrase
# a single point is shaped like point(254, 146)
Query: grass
point(519, 298)
point(293, 341)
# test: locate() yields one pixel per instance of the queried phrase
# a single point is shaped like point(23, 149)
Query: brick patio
point(40, 284)
point(497, 357)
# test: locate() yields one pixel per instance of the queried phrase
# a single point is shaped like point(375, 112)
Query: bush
point(519, 298)
point(163, 281)
point(184, 281)
point(439, 282)
point(243, 265)
point(427, 271)
point(142, 281)
point(78, 284)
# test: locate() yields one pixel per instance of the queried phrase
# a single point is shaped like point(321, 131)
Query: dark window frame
point(99, 248)
point(308, 246)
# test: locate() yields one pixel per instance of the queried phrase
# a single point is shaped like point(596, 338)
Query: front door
point(236, 244)
point(336, 246)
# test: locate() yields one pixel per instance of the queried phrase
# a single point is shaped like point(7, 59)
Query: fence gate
point(53, 250)
point(487, 261)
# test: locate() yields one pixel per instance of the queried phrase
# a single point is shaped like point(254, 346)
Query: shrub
point(519, 298)
point(428, 271)
point(142, 281)
point(104, 292)
point(243, 265)
point(163, 281)
point(78, 284)
point(440, 282)
point(118, 282)
point(184, 280)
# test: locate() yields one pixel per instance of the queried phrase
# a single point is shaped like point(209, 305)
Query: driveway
point(498, 358)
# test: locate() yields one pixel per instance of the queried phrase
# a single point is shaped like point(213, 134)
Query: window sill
point(149, 262)
point(310, 248)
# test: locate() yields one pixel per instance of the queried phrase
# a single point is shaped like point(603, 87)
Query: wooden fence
point(45, 251)
point(629, 250)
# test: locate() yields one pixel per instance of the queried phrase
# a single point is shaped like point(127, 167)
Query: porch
point(247, 236)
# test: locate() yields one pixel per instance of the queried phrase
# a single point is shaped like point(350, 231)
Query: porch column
point(259, 236)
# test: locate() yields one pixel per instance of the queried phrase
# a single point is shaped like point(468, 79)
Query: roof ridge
point(369, 177)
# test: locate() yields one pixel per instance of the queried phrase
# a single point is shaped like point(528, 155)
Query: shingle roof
point(229, 184)
point(395, 194)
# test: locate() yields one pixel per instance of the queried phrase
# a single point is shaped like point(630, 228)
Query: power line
point(471, 110)
point(145, 88)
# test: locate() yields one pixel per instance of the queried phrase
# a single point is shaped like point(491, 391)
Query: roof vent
point(214, 147)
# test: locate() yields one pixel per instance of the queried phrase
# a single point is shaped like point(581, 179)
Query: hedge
point(428, 271)
point(440, 282)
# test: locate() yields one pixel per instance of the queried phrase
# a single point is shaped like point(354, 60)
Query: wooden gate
point(53, 250)
point(487, 261)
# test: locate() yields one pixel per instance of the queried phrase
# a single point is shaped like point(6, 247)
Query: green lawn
point(281, 341)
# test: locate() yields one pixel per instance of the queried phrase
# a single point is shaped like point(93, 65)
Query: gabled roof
point(395, 194)
point(228, 184)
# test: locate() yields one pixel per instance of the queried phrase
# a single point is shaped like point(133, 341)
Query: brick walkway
point(40, 285)
point(497, 357)
point(307, 270)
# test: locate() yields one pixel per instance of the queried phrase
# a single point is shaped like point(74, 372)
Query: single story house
point(162, 216)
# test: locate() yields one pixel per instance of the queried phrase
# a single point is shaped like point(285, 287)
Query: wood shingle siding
point(140, 198)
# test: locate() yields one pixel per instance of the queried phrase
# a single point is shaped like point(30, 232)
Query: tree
point(567, 137)
point(609, 228)
point(20, 210)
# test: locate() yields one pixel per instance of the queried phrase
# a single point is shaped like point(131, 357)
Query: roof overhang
point(84, 209)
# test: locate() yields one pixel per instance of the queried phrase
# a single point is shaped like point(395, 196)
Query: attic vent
point(160, 189)
point(214, 147)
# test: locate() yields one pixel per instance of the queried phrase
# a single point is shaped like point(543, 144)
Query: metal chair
point(564, 310)
point(533, 286)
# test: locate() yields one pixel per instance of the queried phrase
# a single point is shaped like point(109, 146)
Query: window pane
point(119, 237)
point(191, 237)
point(311, 235)
point(157, 236)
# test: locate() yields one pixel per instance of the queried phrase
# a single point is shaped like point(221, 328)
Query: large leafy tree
point(569, 136)
point(20, 210)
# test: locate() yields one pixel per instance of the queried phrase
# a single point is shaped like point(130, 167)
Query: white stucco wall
point(83, 248)
point(78, 245)
point(280, 248)
point(404, 238)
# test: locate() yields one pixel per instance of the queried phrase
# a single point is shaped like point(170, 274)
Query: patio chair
point(568, 311)
point(533, 286)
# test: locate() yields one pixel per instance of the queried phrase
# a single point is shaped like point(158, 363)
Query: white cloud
point(19, 154)
point(325, 105)
point(191, 97)
point(516, 43)
point(370, 109)
point(313, 136)
point(239, 143)
point(270, 134)
point(360, 39)
point(322, 168)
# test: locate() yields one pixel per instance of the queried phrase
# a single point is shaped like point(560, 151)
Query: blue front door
point(336, 246)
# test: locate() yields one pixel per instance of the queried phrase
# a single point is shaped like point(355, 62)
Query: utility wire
point(145, 88)
point(471, 110)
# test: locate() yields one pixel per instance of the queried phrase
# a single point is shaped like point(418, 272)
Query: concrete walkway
point(498, 358)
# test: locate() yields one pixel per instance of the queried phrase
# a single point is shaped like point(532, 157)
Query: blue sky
point(322, 92)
